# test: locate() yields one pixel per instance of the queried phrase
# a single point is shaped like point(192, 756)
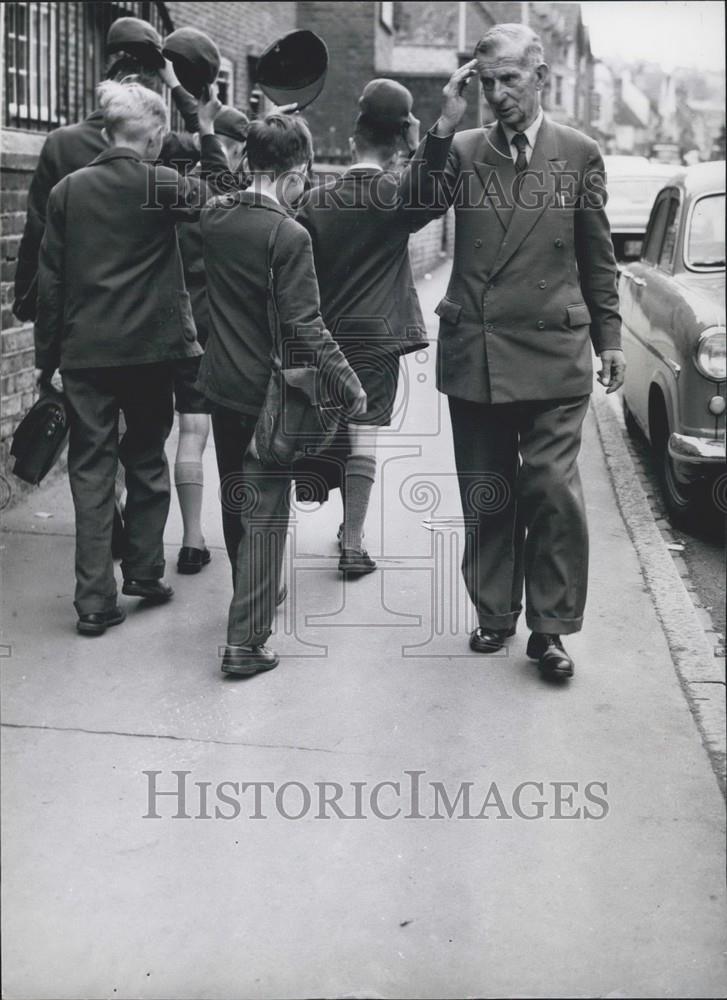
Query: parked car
point(673, 308)
point(632, 183)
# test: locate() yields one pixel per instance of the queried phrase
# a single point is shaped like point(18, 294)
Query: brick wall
point(348, 30)
point(240, 30)
point(431, 245)
point(17, 394)
point(427, 92)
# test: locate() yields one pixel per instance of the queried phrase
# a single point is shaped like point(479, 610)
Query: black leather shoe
point(355, 563)
point(154, 591)
point(192, 560)
point(97, 622)
point(490, 640)
point(553, 661)
point(246, 660)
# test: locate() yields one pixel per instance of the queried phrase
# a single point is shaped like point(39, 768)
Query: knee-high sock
point(189, 480)
point(360, 475)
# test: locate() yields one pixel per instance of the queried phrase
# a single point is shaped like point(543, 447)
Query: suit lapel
point(497, 173)
point(536, 193)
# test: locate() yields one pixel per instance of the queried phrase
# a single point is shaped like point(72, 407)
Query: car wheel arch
point(661, 411)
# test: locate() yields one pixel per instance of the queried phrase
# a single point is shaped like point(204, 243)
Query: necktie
point(520, 142)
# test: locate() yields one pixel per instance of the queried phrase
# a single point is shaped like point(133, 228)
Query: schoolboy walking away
point(134, 54)
point(193, 408)
point(245, 236)
point(360, 229)
point(113, 315)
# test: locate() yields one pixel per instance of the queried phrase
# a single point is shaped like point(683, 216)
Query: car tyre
point(632, 427)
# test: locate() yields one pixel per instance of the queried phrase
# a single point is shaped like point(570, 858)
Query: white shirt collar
point(531, 132)
point(366, 165)
point(264, 194)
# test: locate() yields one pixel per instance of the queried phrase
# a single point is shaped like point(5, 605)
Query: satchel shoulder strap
point(273, 314)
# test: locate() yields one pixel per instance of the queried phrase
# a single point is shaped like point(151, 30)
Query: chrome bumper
point(696, 450)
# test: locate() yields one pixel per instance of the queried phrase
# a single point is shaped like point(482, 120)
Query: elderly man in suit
point(534, 274)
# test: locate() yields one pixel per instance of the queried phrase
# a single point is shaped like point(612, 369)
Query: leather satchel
point(296, 420)
point(40, 436)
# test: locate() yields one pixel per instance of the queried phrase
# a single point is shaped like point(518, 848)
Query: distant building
point(707, 120)
point(688, 108)
point(634, 118)
point(603, 106)
point(422, 43)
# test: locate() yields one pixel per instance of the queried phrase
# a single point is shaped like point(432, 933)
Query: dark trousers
point(255, 514)
point(524, 513)
point(143, 393)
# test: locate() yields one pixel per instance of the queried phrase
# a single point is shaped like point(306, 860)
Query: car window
point(655, 230)
point(705, 243)
point(666, 255)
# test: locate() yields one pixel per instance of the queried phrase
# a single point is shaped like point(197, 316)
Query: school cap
point(232, 123)
point(138, 38)
point(195, 57)
point(386, 104)
point(292, 69)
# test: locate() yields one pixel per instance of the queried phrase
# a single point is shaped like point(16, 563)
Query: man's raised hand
point(454, 100)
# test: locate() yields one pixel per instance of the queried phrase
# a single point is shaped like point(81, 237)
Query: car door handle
point(632, 277)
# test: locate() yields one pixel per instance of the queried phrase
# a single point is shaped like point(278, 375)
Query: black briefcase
point(40, 436)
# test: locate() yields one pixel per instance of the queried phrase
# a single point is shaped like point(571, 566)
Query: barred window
point(54, 58)
point(31, 61)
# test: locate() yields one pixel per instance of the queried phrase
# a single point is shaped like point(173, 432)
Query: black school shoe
point(191, 560)
point(553, 661)
point(248, 660)
point(97, 622)
point(490, 640)
point(153, 591)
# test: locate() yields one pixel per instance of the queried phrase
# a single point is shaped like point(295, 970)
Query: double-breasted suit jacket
point(533, 282)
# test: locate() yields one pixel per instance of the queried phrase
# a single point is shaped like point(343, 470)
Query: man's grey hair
point(533, 51)
point(130, 110)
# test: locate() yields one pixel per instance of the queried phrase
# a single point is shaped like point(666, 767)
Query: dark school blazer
point(360, 232)
point(235, 369)
point(111, 289)
point(67, 149)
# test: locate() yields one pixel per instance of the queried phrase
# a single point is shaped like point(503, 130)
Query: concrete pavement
point(376, 680)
